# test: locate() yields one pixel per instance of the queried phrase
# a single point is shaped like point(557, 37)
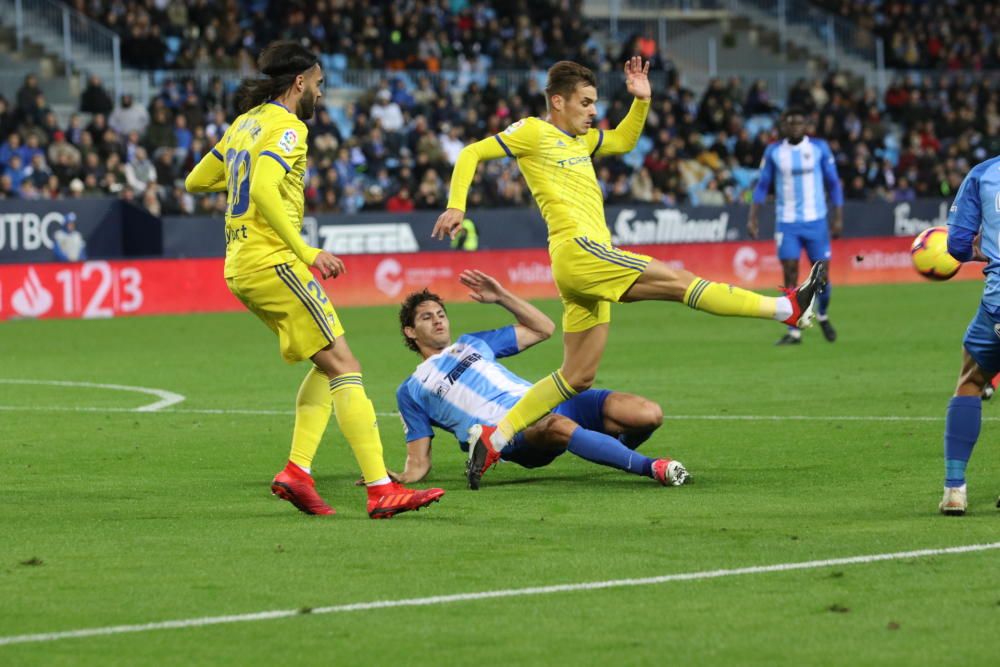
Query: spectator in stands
point(140, 171)
point(27, 97)
point(129, 117)
point(38, 172)
point(7, 120)
point(95, 98)
point(387, 112)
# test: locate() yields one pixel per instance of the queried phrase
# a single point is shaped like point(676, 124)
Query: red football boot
point(387, 500)
point(297, 487)
point(481, 454)
point(803, 297)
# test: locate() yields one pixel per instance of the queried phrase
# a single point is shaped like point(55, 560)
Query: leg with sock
point(356, 419)
point(961, 431)
point(609, 451)
point(537, 402)
point(963, 421)
point(582, 352)
point(312, 413)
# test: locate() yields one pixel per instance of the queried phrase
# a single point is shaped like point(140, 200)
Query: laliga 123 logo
point(389, 277)
point(31, 299)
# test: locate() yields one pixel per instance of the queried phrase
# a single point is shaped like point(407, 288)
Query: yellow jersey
point(266, 132)
point(558, 168)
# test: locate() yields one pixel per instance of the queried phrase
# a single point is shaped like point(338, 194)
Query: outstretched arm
point(623, 138)
point(209, 175)
point(533, 326)
point(449, 223)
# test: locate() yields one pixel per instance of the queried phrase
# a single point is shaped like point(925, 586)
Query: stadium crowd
point(928, 35)
point(393, 148)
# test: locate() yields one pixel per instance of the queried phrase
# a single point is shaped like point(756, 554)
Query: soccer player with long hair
point(556, 156)
point(259, 163)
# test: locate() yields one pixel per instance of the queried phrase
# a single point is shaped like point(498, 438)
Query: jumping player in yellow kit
point(555, 155)
point(260, 162)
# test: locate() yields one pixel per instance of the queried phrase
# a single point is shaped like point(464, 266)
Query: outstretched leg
point(660, 282)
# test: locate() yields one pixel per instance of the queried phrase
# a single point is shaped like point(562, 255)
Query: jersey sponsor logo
point(512, 128)
point(234, 234)
point(457, 371)
point(573, 161)
point(288, 141)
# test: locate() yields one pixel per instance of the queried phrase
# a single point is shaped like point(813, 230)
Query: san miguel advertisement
point(97, 289)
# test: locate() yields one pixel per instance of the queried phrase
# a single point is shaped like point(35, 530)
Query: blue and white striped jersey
point(801, 174)
point(460, 386)
point(977, 208)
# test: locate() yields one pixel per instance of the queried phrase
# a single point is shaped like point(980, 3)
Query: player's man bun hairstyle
point(408, 313)
point(565, 76)
point(280, 63)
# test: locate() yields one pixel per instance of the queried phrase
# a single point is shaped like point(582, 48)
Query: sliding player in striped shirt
point(460, 384)
point(260, 162)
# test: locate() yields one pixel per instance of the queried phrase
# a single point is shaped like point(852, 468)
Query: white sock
point(498, 441)
point(379, 482)
point(783, 308)
point(821, 317)
point(794, 332)
point(304, 469)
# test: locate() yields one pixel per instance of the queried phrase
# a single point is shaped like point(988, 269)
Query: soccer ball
point(930, 257)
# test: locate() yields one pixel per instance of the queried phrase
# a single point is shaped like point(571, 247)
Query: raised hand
point(637, 79)
point(485, 288)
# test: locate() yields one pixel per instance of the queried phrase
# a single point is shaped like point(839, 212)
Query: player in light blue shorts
point(461, 384)
point(802, 169)
point(974, 215)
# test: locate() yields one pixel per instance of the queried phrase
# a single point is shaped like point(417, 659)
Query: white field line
point(226, 411)
point(167, 398)
point(488, 595)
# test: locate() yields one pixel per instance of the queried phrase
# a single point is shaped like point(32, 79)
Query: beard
point(306, 108)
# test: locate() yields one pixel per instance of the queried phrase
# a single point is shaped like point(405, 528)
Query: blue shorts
point(792, 237)
point(982, 340)
point(586, 409)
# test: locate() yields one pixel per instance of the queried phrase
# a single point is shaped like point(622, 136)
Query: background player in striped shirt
point(461, 384)
point(260, 162)
point(973, 235)
point(555, 156)
point(801, 168)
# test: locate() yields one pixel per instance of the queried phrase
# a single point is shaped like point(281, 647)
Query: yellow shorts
point(292, 303)
point(590, 276)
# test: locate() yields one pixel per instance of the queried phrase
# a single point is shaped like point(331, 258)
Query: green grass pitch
point(112, 517)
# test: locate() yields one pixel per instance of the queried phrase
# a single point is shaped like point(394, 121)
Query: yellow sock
point(723, 299)
point(356, 418)
point(546, 394)
point(312, 412)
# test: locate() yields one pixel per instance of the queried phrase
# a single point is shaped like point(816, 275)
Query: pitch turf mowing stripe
point(489, 595)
